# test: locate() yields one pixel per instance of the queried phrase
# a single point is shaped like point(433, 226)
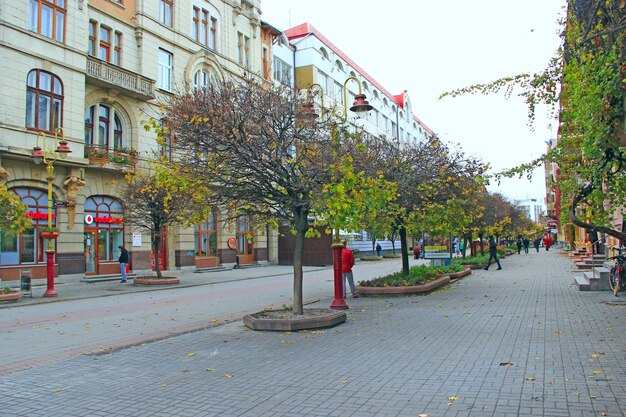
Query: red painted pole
point(50, 292)
point(339, 303)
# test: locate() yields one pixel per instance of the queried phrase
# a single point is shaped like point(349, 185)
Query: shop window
point(103, 215)
point(206, 237)
point(27, 248)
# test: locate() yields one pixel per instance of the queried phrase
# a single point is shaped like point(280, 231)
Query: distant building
point(533, 209)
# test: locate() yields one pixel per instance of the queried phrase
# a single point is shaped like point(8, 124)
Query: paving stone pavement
point(518, 342)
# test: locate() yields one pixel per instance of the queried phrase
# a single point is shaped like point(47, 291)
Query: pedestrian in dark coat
point(378, 249)
point(518, 242)
point(123, 260)
point(493, 253)
point(537, 242)
point(526, 243)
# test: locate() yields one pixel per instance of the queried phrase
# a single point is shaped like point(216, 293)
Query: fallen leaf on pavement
point(191, 354)
point(58, 390)
point(530, 378)
point(228, 376)
point(209, 369)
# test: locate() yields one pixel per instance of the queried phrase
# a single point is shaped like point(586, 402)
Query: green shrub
point(417, 275)
point(471, 260)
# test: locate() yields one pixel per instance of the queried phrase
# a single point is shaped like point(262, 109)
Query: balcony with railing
point(104, 74)
point(122, 158)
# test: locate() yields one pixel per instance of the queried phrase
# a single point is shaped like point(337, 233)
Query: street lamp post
point(360, 107)
point(48, 155)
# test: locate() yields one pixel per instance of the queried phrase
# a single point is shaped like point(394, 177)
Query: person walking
point(378, 249)
point(123, 260)
point(526, 243)
point(416, 251)
point(518, 242)
point(347, 260)
point(493, 253)
point(548, 242)
point(536, 243)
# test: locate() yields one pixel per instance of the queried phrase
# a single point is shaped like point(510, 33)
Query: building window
point(44, 101)
point(47, 17)
point(324, 81)
point(243, 50)
point(107, 42)
point(165, 12)
point(104, 50)
point(201, 79)
point(282, 71)
point(164, 142)
point(117, 48)
point(91, 45)
point(338, 93)
point(164, 79)
point(324, 53)
point(213, 34)
point(103, 129)
point(195, 23)
point(28, 247)
point(206, 237)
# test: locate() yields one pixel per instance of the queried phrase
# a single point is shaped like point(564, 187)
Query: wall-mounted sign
point(136, 239)
point(232, 243)
point(108, 219)
point(88, 219)
point(38, 215)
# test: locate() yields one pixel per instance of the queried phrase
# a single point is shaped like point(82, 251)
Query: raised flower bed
point(8, 294)
point(421, 279)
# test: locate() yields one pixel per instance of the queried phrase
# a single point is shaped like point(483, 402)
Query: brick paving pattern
point(517, 342)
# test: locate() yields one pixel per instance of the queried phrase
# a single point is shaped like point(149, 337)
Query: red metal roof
point(306, 29)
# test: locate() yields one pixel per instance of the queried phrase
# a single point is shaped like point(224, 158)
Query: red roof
point(306, 29)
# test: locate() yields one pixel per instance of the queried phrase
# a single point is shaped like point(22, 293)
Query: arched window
point(201, 79)
point(339, 65)
point(103, 218)
point(44, 101)
point(366, 86)
point(206, 236)
point(385, 102)
point(324, 53)
point(27, 248)
point(376, 96)
point(104, 128)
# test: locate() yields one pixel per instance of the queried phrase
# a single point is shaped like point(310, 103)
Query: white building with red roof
point(315, 59)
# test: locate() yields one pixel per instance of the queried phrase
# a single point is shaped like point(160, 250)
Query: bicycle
point(617, 273)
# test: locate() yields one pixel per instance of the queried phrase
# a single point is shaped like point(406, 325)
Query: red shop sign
point(108, 219)
point(38, 215)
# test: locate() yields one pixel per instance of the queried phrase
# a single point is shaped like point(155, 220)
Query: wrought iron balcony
point(104, 74)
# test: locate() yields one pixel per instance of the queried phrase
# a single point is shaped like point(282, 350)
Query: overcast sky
point(428, 47)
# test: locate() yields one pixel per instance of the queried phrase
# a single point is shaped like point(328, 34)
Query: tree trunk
point(405, 251)
point(300, 218)
point(156, 240)
point(582, 194)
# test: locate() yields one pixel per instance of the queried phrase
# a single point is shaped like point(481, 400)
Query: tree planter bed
point(371, 258)
point(465, 272)
point(477, 266)
point(286, 321)
point(396, 291)
point(12, 296)
point(156, 281)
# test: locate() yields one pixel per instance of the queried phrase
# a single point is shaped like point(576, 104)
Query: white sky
point(432, 46)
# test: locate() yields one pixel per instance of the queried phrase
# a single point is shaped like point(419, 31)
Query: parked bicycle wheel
point(615, 279)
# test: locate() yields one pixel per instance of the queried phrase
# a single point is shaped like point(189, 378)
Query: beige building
point(90, 72)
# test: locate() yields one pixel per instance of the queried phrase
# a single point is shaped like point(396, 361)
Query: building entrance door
point(91, 250)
